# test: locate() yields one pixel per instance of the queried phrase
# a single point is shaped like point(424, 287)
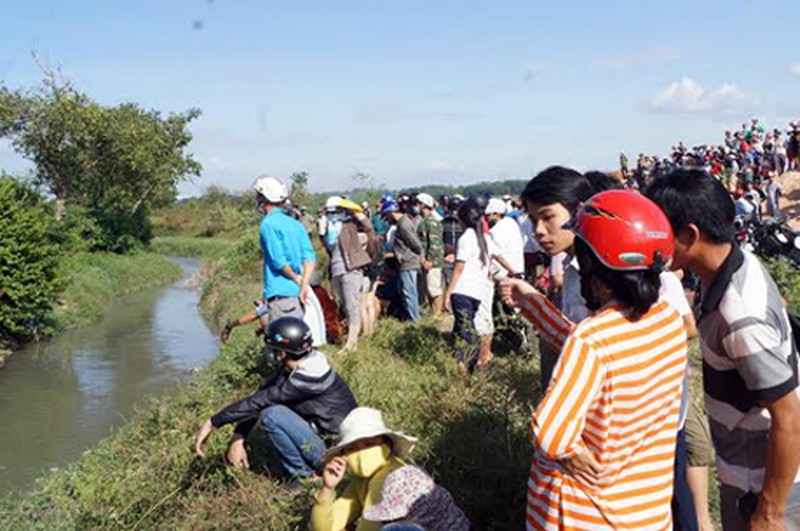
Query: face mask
point(364, 463)
point(334, 228)
point(492, 222)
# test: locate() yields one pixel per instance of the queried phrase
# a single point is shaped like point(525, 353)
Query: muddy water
point(60, 397)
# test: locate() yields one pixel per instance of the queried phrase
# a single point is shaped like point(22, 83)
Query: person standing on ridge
point(407, 251)
point(289, 259)
point(431, 237)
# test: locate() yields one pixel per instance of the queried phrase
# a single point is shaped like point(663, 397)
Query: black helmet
point(290, 335)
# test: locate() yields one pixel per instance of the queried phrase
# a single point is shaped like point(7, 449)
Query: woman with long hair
point(471, 290)
point(615, 394)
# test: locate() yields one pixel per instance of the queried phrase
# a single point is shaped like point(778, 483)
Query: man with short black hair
point(749, 357)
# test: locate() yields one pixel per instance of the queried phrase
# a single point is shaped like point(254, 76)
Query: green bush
point(788, 280)
point(29, 257)
point(122, 232)
point(78, 231)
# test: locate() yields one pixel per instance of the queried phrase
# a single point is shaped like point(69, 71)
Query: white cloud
point(652, 56)
point(794, 68)
point(687, 96)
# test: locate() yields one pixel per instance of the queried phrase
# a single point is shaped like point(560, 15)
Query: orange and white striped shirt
point(616, 392)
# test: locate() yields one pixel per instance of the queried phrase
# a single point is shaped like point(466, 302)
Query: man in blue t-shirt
point(289, 259)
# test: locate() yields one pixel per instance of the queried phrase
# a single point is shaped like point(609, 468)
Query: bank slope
point(474, 434)
point(95, 281)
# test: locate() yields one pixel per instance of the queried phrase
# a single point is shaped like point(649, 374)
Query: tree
point(117, 161)
point(367, 188)
point(52, 127)
point(29, 259)
point(299, 188)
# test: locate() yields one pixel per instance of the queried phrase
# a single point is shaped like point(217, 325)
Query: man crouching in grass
point(303, 404)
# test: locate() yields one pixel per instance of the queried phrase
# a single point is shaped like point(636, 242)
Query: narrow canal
point(59, 398)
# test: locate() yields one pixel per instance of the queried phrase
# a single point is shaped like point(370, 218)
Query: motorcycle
point(774, 238)
point(743, 232)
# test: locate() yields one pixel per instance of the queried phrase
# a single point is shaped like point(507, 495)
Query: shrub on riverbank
point(29, 257)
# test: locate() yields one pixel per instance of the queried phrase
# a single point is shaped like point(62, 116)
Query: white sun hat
point(363, 423)
point(496, 206)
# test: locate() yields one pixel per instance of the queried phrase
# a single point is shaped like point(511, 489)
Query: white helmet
point(271, 188)
point(426, 199)
point(332, 203)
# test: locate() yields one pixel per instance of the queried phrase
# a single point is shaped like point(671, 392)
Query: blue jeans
point(408, 283)
point(684, 517)
point(464, 333)
point(298, 445)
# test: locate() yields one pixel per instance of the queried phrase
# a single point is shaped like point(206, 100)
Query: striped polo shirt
point(749, 358)
point(615, 393)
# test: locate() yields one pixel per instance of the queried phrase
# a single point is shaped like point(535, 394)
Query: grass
point(206, 248)
point(474, 432)
point(96, 280)
point(146, 476)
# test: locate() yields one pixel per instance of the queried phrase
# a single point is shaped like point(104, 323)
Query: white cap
point(496, 206)
point(333, 203)
point(271, 188)
point(426, 199)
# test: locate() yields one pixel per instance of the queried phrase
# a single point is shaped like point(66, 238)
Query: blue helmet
point(390, 206)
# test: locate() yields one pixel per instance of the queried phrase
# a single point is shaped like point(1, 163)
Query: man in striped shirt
point(749, 357)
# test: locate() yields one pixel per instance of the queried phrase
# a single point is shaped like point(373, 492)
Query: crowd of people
point(744, 156)
point(598, 266)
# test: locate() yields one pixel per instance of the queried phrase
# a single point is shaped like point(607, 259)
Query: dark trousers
point(464, 333)
point(684, 516)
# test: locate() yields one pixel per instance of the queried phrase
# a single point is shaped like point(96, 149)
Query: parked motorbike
point(774, 238)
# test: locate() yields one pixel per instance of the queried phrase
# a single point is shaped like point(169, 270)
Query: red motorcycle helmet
point(626, 231)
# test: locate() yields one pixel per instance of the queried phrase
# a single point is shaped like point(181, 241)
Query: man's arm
point(783, 459)
point(755, 346)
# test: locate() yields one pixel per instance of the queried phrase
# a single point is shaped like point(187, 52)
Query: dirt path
point(790, 182)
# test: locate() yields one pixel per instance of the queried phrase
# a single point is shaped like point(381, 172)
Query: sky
point(416, 92)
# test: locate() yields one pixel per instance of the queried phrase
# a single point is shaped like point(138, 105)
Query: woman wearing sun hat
point(369, 451)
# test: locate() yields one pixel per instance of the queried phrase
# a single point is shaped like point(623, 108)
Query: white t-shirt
point(475, 279)
point(390, 237)
point(673, 294)
point(573, 305)
point(508, 237)
point(529, 243)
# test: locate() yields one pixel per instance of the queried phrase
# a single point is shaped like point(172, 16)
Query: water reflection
point(61, 397)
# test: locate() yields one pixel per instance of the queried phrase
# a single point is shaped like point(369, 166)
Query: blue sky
point(418, 91)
